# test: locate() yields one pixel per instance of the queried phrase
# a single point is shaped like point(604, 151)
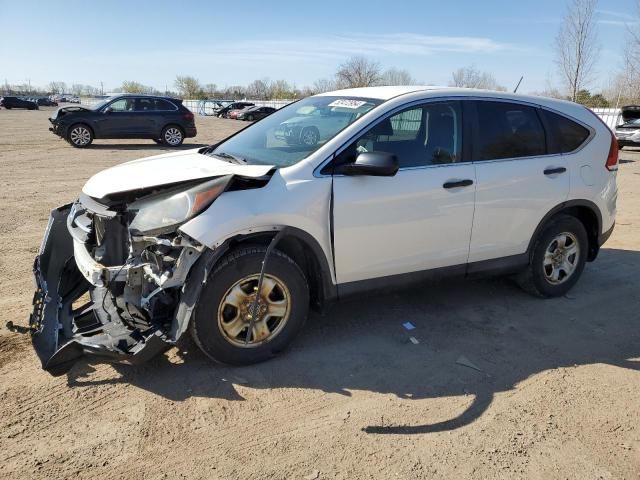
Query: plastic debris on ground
point(465, 362)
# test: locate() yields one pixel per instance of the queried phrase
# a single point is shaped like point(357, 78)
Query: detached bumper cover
point(58, 327)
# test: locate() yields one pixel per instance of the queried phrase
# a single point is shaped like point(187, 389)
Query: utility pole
point(101, 88)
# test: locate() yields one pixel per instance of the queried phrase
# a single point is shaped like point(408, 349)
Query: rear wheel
point(80, 135)
point(558, 259)
point(223, 314)
point(172, 136)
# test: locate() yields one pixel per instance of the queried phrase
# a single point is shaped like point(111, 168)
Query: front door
point(419, 219)
point(118, 119)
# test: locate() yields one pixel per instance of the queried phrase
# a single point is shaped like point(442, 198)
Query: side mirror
point(108, 110)
point(374, 164)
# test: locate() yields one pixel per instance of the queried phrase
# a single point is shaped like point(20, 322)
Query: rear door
point(519, 181)
point(417, 220)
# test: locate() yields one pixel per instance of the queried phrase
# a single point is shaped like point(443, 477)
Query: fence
point(610, 116)
point(209, 107)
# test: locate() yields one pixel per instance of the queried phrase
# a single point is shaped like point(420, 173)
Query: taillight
point(612, 159)
point(188, 116)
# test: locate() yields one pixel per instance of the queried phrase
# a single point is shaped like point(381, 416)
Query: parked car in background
point(17, 102)
point(254, 113)
point(628, 132)
point(223, 112)
point(235, 242)
point(162, 119)
point(313, 125)
point(233, 114)
point(46, 102)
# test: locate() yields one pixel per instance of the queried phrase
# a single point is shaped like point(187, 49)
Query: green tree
point(189, 88)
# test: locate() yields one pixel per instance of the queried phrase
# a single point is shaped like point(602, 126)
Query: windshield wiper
point(228, 156)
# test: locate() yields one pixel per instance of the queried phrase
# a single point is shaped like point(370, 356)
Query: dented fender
point(303, 204)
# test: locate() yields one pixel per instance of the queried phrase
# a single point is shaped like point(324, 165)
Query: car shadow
point(475, 338)
point(144, 146)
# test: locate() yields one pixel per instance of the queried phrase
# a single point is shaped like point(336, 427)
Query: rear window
point(564, 135)
point(507, 130)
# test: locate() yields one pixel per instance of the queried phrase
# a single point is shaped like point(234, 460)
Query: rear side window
point(507, 130)
point(144, 105)
point(564, 135)
point(163, 105)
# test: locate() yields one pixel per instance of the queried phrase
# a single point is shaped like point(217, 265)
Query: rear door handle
point(458, 183)
point(552, 171)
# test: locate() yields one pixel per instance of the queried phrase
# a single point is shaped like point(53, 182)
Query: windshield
point(294, 132)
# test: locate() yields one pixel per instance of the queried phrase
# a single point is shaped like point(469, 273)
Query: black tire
point(233, 268)
point(8, 108)
point(172, 136)
point(309, 136)
point(79, 135)
point(250, 118)
point(620, 147)
point(534, 279)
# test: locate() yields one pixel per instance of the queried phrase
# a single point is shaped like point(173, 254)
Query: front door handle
point(552, 171)
point(457, 183)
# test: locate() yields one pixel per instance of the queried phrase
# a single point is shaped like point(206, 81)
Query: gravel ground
point(554, 395)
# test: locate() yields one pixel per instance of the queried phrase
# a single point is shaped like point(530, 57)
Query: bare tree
point(358, 72)
point(57, 87)
point(394, 76)
point(211, 89)
point(259, 89)
point(577, 47)
point(130, 86)
point(471, 77)
point(323, 85)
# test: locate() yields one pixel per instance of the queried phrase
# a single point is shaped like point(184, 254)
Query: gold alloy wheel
point(235, 311)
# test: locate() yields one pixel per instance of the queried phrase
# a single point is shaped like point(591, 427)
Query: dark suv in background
point(161, 119)
point(17, 102)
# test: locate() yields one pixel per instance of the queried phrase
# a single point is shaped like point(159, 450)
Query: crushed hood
point(165, 169)
point(68, 109)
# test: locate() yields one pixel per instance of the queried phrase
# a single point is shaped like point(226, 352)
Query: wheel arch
point(584, 210)
point(306, 252)
point(80, 122)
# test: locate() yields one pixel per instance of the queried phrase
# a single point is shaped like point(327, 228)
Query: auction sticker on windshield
point(345, 103)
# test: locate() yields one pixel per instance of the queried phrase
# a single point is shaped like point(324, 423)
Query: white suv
point(236, 241)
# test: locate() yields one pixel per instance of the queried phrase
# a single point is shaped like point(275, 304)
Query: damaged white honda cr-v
point(236, 241)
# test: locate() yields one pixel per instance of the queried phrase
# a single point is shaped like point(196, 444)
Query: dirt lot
point(557, 394)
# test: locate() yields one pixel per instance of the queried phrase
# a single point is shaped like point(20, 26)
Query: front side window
point(507, 130)
point(123, 105)
point(429, 134)
point(294, 132)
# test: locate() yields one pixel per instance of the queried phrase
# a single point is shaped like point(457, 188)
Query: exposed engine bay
point(116, 277)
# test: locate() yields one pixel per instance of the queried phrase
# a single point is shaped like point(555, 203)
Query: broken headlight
point(165, 211)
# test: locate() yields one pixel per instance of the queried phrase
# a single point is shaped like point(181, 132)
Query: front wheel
point(172, 136)
point(223, 316)
point(558, 258)
point(80, 136)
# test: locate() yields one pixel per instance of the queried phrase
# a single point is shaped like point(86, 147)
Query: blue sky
point(233, 43)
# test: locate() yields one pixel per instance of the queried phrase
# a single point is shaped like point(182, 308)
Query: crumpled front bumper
point(56, 323)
